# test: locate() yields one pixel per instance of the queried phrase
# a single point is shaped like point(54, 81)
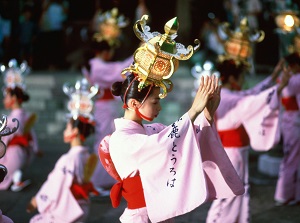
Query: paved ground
point(262, 186)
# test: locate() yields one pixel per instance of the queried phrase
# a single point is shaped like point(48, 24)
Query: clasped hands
point(207, 98)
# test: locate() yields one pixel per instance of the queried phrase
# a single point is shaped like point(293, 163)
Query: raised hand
point(31, 206)
point(208, 89)
point(213, 102)
point(285, 77)
point(277, 70)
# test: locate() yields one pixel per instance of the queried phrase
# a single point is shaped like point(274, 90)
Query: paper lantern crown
point(238, 43)
point(14, 74)
point(158, 57)
point(109, 26)
point(81, 104)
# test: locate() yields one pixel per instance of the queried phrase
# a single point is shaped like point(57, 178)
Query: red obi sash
point(21, 140)
point(235, 137)
point(132, 190)
point(290, 103)
point(81, 191)
point(107, 95)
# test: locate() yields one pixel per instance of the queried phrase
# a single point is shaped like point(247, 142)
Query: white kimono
point(181, 166)
point(257, 111)
point(288, 184)
point(104, 74)
point(55, 201)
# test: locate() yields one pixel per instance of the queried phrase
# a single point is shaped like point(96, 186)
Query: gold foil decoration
point(158, 57)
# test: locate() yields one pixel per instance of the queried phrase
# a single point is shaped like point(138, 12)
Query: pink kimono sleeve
point(221, 177)
point(171, 168)
point(261, 119)
point(55, 196)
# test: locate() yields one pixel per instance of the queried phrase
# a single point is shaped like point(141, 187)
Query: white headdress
point(81, 104)
point(14, 74)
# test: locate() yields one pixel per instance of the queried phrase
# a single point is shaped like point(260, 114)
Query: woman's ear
point(133, 103)
point(75, 131)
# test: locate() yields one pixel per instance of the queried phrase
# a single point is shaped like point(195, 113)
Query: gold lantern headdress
point(108, 26)
point(80, 104)
point(158, 57)
point(14, 74)
point(238, 45)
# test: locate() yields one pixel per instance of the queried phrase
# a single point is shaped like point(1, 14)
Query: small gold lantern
point(158, 57)
point(287, 20)
point(238, 45)
point(109, 26)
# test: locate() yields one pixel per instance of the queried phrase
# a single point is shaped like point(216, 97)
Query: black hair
point(85, 128)
point(94, 48)
point(293, 58)
point(229, 68)
point(100, 46)
point(21, 95)
point(119, 89)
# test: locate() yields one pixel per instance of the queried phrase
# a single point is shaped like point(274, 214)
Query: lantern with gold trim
point(158, 57)
point(238, 45)
point(108, 26)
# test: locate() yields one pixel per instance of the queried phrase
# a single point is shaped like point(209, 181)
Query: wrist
point(209, 117)
point(192, 114)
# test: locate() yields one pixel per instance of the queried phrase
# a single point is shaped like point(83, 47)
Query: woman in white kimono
point(288, 183)
point(104, 72)
point(22, 145)
point(103, 69)
point(244, 118)
point(159, 165)
point(165, 171)
point(64, 196)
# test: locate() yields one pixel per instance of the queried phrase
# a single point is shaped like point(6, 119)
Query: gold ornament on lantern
point(238, 45)
point(158, 57)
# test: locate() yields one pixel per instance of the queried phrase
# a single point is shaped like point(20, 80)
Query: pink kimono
point(4, 219)
point(288, 184)
point(180, 166)
point(244, 120)
point(55, 200)
point(21, 147)
point(104, 74)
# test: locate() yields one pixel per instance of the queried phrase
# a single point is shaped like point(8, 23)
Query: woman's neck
point(76, 142)
point(131, 115)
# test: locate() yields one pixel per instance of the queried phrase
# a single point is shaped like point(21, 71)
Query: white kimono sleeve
point(262, 125)
point(171, 169)
point(55, 196)
point(221, 177)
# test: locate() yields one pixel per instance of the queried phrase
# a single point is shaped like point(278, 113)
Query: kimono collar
point(129, 126)
point(16, 111)
point(77, 149)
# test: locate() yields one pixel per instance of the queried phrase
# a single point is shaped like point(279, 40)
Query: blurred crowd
point(55, 34)
point(100, 38)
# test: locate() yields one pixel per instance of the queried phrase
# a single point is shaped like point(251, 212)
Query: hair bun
point(116, 88)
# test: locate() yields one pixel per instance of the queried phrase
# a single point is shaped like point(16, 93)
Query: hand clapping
point(207, 96)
